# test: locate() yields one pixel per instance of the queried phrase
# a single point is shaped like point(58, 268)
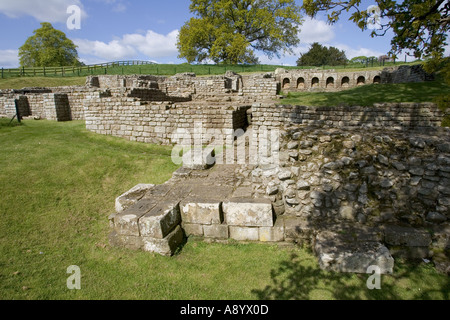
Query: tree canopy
point(319, 55)
point(48, 47)
point(230, 31)
point(419, 26)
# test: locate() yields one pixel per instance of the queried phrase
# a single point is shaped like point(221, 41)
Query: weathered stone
point(271, 190)
point(130, 197)
point(272, 234)
point(404, 236)
point(248, 212)
point(417, 171)
point(386, 183)
point(161, 220)
point(444, 147)
point(399, 166)
point(292, 145)
point(347, 212)
point(298, 229)
point(244, 233)
point(410, 253)
point(191, 229)
point(436, 217)
point(349, 144)
point(284, 175)
point(303, 185)
point(335, 254)
point(201, 211)
point(243, 192)
point(124, 241)
point(383, 159)
point(417, 143)
point(166, 246)
point(127, 222)
point(216, 231)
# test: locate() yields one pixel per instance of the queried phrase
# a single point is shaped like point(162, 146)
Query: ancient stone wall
point(388, 115)
point(156, 122)
point(330, 80)
point(324, 80)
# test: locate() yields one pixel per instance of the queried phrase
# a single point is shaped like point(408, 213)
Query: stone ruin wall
point(385, 168)
point(59, 103)
point(330, 80)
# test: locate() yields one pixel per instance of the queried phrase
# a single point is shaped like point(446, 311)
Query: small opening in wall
point(286, 83)
point(315, 82)
point(345, 82)
point(377, 80)
point(361, 81)
point(330, 82)
point(300, 83)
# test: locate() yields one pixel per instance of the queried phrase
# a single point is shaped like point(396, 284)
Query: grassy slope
point(58, 183)
point(369, 94)
point(26, 82)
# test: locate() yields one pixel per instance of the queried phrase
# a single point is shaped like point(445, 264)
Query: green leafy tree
point(360, 59)
point(419, 26)
point(230, 31)
point(319, 55)
point(48, 47)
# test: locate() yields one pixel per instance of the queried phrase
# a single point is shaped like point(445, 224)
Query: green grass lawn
point(58, 183)
point(369, 94)
point(27, 82)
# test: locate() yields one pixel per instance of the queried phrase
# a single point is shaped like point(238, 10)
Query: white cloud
point(113, 50)
point(356, 52)
point(151, 44)
point(42, 10)
point(314, 30)
point(9, 58)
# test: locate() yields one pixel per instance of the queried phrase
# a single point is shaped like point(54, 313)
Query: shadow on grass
point(294, 279)
point(9, 123)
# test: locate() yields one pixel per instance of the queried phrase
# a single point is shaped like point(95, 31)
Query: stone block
point(127, 222)
point(201, 211)
point(216, 231)
point(191, 229)
point(406, 236)
point(410, 253)
point(123, 241)
point(248, 212)
point(298, 229)
point(244, 233)
point(166, 246)
point(272, 234)
point(337, 255)
point(161, 220)
point(130, 197)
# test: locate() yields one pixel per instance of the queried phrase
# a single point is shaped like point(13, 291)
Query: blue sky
point(147, 30)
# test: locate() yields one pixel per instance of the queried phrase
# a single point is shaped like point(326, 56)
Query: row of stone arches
point(330, 82)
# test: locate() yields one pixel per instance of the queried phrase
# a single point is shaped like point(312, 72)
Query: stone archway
point(345, 83)
point(315, 82)
point(301, 83)
point(377, 80)
point(330, 82)
point(361, 81)
point(286, 83)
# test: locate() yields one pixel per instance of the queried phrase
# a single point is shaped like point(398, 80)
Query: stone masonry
point(360, 185)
